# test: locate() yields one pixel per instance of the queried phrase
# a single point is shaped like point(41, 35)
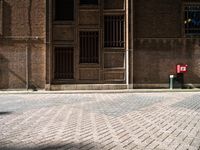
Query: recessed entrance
point(88, 44)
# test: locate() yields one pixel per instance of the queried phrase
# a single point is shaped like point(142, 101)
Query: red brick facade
point(154, 44)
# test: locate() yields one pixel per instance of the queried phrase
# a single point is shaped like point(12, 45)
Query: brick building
point(97, 44)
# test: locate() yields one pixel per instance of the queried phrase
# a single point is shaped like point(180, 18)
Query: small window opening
point(64, 10)
point(63, 63)
point(114, 31)
point(192, 20)
point(89, 47)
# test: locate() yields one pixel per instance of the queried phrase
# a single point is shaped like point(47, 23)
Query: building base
point(61, 87)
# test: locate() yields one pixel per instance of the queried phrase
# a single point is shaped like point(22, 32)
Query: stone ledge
point(88, 87)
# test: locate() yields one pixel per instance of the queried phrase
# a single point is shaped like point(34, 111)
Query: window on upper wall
point(192, 19)
point(64, 10)
point(88, 2)
point(1, 17)
point(114, 31)
point(89, 47)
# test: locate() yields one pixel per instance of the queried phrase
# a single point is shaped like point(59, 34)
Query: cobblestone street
point(101, 121)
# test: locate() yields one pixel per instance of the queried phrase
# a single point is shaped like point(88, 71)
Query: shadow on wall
point(32, 85)
point(191, 55)
point(16, 75)
point(5, 72)
point(7, 11)
point(4, 77)
point(196, 59)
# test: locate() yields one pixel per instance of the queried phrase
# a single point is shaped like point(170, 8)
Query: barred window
point(1, 17)
point(192, 20)
point(88, 2)
point(63, 63)
point(64, 10)
point(89, 47)
point(114, 31)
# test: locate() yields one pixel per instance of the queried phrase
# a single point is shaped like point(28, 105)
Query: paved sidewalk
point(100, 121)
point(98, 91)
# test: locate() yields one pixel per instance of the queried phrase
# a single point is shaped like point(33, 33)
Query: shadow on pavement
point(5, 113)
point(192, 103)
point(67, 146)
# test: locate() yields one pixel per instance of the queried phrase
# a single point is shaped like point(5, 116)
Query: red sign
point(181, 68)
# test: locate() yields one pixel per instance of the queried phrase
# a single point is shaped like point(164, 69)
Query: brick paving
point(118, 121)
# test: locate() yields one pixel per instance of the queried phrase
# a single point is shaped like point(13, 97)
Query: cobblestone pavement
point(119, 121)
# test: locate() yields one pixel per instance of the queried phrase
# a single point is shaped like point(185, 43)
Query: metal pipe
point(27, 71)
point(127, 44)
point(49, 40)
point(45, 58)
point(171, 78)
point(132, 44)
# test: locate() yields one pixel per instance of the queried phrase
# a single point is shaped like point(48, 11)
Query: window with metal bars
point(63, 63)
point(114, 31)
point(88, 2)
point(89, 47)
point(192, 19)
point(64, 10)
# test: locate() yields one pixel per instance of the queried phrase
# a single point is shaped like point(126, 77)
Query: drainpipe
point(27, 71)
point(49, 40)
point(27, 43)
point(127, 43)
point(132, 43)
point(45, 57)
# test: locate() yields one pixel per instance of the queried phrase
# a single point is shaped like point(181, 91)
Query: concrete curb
point(99, 91)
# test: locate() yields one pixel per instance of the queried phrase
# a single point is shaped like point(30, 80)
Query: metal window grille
point(114, 31)
point(192, 20)
point(89, 47)
point(64, 63)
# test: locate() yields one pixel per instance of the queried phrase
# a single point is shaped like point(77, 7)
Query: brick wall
point(156, 59)
point(158, 18)
point(22, 19)
point(159, 45)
